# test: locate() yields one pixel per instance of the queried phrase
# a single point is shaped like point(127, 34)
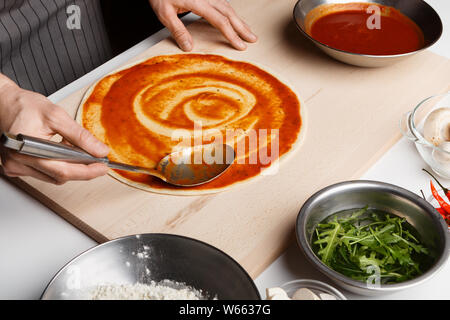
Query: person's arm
point(218, 12)
point(30, 113)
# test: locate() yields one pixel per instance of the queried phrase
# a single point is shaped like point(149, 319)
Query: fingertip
point(240, 45)
point(103, 149)
point(98, 149)
point(185, 45)
point(252, 37)
point(248, 36)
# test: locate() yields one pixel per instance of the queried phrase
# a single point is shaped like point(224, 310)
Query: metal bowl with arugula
point(371, 237)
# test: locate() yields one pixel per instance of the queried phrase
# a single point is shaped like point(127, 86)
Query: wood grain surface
point(352, 119)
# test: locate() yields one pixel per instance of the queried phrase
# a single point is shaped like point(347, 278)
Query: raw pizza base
point(195, 192)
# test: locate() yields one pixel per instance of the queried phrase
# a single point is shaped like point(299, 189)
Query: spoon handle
point(46, 149)
point(127, 167)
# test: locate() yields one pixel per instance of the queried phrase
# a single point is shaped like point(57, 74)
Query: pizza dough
point(145, 111)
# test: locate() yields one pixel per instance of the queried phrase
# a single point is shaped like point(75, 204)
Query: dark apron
point(46, 44)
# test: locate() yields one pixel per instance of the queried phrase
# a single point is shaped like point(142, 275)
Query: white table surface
point(35, 243)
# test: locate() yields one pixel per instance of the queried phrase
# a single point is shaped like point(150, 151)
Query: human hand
point(30, 113)
point(217, 12)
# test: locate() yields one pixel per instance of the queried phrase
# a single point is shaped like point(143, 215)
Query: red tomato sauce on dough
point(124, 132)
point(347, 29)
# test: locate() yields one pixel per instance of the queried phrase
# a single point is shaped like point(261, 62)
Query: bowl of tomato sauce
point(369, 34)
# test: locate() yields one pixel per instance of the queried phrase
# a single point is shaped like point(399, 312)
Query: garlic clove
point(437, 126)
point(280, 297)
point(304, 294)
point(276, 294)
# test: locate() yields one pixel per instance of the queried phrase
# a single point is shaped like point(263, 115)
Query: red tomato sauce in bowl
point(353, 27)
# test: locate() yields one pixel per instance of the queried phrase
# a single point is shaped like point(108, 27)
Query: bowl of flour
point(152, 267)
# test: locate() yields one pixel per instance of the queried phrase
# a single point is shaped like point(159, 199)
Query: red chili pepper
point(444, 205)
point(446, 191)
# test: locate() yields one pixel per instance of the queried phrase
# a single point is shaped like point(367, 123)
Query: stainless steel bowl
point(417, 10)
point(357, 194)
point(157, 257)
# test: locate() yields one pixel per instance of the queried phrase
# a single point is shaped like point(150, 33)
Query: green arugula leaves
point(368, 240)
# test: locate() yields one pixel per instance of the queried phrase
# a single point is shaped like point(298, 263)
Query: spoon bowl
point(196, 165)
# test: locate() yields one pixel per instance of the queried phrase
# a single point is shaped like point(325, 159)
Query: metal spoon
point(185, 168)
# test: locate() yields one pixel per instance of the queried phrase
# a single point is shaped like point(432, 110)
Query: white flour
point(164, 290)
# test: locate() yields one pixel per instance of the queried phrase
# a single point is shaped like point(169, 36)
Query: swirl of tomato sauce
point(136, 111)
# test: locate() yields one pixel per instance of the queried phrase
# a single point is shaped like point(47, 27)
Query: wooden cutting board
point(353, 116)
